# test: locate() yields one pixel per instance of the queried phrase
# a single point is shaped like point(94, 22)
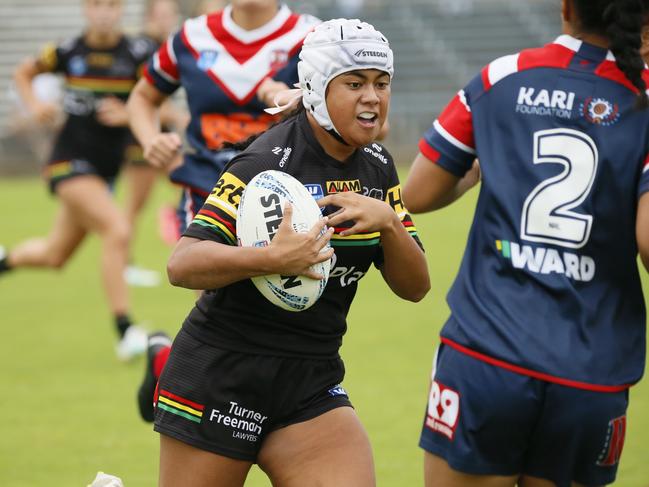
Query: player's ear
point(644, 50)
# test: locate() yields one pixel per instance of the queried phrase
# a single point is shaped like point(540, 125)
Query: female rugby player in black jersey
point(100, 68)
point(247, 382)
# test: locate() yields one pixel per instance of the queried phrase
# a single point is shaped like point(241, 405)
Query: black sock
point(4, 265)
point(122, 322)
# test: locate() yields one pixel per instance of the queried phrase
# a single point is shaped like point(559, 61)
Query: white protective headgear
point(333, 48)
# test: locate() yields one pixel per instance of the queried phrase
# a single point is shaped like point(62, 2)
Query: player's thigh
point(182, 465)
point(65, 236)
point(438, 473)
point(330, 450)
point(91, 203)
point(527, 481)
point(579, 436)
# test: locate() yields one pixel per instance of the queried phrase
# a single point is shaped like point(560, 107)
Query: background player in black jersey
point(100, 68)
point(247, 382)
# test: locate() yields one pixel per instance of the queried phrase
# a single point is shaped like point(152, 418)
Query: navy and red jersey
point(238, 317)
point(92, 74)
point(548, 284)
point(221, 66)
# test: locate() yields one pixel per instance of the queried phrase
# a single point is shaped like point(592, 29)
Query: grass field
point(67, 408)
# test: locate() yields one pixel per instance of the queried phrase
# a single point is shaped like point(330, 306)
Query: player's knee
point(56, 260)
point(118, 234)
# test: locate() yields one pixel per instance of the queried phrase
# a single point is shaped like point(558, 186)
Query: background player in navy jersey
point(231, 63)
point(248, 382)
point(100, 68)
point(547, 325)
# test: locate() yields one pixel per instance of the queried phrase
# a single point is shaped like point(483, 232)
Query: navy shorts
point(227, 402)
point(485, 420)
point(190, 203)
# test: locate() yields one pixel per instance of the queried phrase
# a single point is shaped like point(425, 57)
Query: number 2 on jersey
point(547, 213)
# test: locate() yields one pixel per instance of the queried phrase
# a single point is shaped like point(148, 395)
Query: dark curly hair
point(621, 22)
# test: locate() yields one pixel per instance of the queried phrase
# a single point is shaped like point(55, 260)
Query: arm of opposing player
point(642, 229)
point(429, 187)
point(160, 149)
point(445, 167)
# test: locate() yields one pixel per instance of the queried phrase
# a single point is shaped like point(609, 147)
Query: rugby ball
point(259, 215)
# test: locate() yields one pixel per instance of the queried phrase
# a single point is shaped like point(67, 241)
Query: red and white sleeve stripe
point(165, 63)
point(455, 124)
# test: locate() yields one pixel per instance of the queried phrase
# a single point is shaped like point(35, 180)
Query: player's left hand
point(368, 214)
point(268, 89)
point(112, 112)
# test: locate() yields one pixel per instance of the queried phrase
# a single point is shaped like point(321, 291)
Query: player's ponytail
point(624, 20)
point(621, 22)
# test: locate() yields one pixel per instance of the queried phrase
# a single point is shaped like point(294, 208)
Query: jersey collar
point(582, 47)
point(249, 36)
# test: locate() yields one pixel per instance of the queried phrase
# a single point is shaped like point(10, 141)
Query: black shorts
point(227, 402)
point(85, 147)
point(58, 171)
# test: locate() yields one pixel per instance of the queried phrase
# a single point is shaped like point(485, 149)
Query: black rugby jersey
point(90, 75)
point(237, 316)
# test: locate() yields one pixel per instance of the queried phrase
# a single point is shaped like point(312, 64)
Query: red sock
point(159, 361)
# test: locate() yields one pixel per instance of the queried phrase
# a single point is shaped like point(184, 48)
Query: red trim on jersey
point(431, 154)
point(485, 78)
point(147, 75)
point(531, 373)
point(166, 63)
point(456, 120)
point(183, 37)
point(253, 92)
point(238, 50)
point(550, 56)
point(609, 70)
point(646, 162)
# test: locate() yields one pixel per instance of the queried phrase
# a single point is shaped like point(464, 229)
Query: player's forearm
point(143, 112)
point(23, 77)
point(203, 264)
point(404, 268)
point(173, 116)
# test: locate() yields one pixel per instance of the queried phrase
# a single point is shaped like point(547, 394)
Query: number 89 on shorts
point(443, 410)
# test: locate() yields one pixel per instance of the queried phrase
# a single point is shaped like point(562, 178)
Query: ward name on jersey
point(553, 242)
point(237, 316)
